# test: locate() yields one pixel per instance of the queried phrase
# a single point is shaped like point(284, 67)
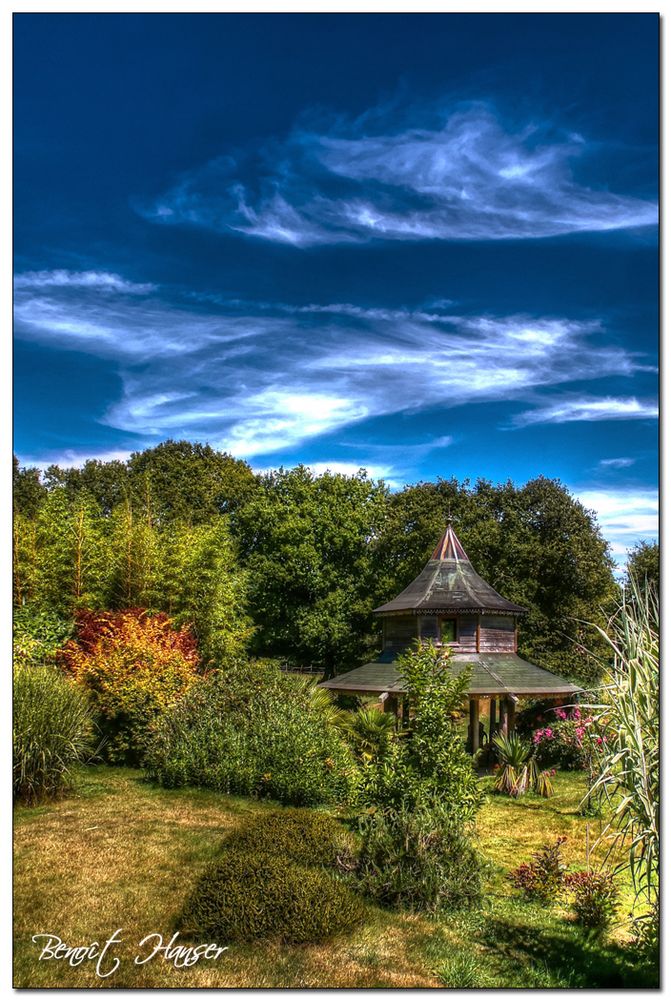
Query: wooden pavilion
point(451, 605)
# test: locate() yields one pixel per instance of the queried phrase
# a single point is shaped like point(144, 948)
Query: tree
point(643, 564)
point(191, 482)
point(28, 490)
point(202, 586)
point(305, 541)
point(73, 556)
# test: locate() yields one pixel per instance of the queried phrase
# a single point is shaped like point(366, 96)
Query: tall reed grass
point(52, 729)
point(628, 718)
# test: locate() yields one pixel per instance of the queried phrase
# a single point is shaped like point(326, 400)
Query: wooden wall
point(493, 633)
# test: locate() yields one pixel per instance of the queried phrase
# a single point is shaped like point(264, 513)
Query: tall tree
point(305, 541)
point(643, 564)
point(202, 586)
point(191, 482)
point(28, 489)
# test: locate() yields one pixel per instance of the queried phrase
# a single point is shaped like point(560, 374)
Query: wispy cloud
point(626, 516)
point(606, 408)
point(72, 459)
point(451, 173)
point(616, 463)
point(101, 281)
point(259, 381)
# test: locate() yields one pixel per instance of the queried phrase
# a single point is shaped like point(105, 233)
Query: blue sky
point(425, 245)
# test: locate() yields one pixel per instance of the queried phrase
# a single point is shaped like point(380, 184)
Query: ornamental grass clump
point(52, 730)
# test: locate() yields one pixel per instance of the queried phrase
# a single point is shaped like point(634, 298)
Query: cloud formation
point(626, 516)
point(592, 408)
point(260, 381)
point(460, 173)
point(101, 281)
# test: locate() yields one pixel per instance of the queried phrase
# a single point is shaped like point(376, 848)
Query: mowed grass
point(121, 853)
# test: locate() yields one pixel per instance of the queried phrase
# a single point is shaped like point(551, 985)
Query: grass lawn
point(121, 853)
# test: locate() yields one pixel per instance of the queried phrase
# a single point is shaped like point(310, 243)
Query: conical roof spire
point(449, 546)
point(449, 583)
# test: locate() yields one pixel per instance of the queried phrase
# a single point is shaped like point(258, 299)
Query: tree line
point(290, 564)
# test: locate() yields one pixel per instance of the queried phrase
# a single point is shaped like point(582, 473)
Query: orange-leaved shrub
point(135, 665)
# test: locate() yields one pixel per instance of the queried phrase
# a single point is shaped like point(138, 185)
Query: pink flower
point(580, 732)
point(548, 734)
point(599, 740)
point(577, 714)
point(560, 713)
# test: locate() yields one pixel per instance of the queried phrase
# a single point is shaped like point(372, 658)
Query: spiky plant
point(519, 770)
point(628, 723)
point(370, 731)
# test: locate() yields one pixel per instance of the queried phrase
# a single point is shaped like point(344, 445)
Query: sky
point(425, 245)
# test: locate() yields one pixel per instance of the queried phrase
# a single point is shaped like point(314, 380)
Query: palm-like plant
point(370, 731)
point(519, 770)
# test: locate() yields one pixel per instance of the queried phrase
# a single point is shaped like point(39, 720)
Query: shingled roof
point(495, 674)
point(449, 583)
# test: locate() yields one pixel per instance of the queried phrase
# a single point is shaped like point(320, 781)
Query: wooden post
point(503, 724)
point(511, 714)
point(474, 727)
point(492, 718)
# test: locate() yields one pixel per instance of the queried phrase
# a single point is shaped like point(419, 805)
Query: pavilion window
point(448, 630)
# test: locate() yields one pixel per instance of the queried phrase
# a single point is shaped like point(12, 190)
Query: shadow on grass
point(570, 953)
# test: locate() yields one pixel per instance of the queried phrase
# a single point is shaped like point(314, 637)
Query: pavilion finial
point(449, 546)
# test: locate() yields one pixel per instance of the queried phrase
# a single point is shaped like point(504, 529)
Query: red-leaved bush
point(135, 666)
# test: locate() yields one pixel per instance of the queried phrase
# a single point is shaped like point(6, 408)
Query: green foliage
point(430, 763)
point(643, 565)
point(251, 730)
point(73, 553)
point(202, 586)
point(594, 898)
point(248, 897)
point(417, 859)
point(28, 490)
point(628, 720)
point(543, 878)
point(52, 730)
point(38, 634)
point(305, 541)
point(305, 836)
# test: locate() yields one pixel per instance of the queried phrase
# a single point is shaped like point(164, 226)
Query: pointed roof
point(449, 583)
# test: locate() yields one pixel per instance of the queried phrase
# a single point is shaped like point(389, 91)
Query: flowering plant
point(568, 740)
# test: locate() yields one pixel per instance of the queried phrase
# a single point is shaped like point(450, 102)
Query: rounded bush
point(248, 897)
point(302, 835)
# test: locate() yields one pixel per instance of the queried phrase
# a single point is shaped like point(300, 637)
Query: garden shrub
point(595, 897)
point(568, 740)
point(52, 730)
point(303, 835)
point(418, 859)
point(38, 634)
point(543, 878)
point(247, 897)
point(251, 730)
point(135, 667)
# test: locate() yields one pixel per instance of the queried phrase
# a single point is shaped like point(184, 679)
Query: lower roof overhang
point(493, 675)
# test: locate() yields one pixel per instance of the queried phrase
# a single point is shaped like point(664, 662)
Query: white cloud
point(616, 463)
point(405, 174)
point(626, 516)
point(263, 380)
point(606, 408)
point(101, 281)
point(71, 459)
